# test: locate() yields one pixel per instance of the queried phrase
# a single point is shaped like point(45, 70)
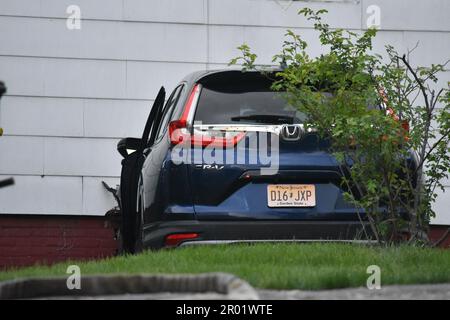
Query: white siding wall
point(73, 93)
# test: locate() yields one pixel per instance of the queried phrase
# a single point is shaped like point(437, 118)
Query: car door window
point(153, 116)
point(167, 112)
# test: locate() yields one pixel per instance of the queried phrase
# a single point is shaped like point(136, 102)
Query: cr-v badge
point(209, 166)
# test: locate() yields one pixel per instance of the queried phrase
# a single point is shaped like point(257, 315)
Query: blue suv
point(225, 159)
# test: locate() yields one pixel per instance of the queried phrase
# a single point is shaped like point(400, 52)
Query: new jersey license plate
point(291, 195)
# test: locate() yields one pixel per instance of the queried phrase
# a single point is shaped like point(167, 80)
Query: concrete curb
point(202, 286)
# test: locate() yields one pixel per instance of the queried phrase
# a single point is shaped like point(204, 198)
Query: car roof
point(198, 75)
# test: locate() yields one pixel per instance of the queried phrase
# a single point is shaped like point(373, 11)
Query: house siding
point(73, 93)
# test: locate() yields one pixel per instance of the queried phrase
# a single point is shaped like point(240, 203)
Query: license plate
point(291, 195)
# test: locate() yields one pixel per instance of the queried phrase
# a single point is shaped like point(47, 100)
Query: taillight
point(390, 112)
point(179, 131)
point(179, 134)
point(225, 139)
point(192, 101)
point(174, 240)
point(405, 125)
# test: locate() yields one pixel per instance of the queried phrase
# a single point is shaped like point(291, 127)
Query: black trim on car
point(155, 234)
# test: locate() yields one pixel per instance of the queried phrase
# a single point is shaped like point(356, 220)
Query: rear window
point(242, 103)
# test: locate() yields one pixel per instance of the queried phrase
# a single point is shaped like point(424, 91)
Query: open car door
point(132, 150)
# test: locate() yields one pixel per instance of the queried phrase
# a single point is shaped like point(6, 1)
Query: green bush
point(374, 148)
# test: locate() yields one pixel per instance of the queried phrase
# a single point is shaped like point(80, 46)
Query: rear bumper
point(216, 232)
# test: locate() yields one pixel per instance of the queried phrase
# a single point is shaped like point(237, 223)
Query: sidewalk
point(406, 292)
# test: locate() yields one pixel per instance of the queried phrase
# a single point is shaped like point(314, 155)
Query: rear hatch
point(258, 130)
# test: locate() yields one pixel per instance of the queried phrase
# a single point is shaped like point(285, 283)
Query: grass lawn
point(276, 266)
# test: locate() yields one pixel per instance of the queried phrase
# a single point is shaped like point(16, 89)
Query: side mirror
point(127, 146)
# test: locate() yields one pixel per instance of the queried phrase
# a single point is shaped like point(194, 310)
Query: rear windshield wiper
point(265, 118)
